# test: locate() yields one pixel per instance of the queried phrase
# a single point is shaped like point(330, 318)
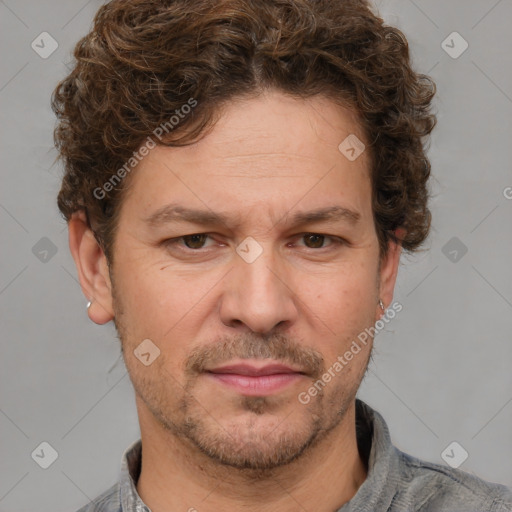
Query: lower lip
point(256, 385)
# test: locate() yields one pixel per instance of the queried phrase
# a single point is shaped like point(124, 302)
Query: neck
point(176, 476)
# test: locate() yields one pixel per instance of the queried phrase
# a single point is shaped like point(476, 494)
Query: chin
point(251, 440)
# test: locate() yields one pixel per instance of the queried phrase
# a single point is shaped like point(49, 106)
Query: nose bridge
point(257, 295)
point(259, 276)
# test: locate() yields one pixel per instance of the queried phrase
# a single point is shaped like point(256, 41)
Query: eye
point(194, 242)
point(316, 240)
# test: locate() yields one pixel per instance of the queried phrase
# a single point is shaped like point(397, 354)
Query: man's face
point(245, 325)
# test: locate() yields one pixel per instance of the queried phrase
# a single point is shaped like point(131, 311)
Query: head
point(240, 180)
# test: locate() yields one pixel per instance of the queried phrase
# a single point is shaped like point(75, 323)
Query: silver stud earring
point(89, 304)
point(381, 304)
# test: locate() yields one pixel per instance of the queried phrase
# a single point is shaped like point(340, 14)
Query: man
point(241, 178)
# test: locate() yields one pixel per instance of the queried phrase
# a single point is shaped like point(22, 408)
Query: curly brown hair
point(144, 59)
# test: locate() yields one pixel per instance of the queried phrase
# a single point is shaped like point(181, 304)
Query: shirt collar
point(381, 484)
point(130, 471)
point(374, 444)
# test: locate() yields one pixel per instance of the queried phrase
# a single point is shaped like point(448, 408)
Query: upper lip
point(252, 370)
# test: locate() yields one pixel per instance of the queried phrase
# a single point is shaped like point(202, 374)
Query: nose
point(258, 296)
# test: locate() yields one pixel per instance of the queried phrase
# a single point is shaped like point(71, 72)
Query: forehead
point(272, 149)
point(275, 123)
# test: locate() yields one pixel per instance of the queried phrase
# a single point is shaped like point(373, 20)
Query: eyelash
point(336, 241)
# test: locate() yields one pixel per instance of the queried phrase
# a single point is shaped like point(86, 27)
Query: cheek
point(345, 291)
point(163, 304)
point(346, 306)
point(142, 299)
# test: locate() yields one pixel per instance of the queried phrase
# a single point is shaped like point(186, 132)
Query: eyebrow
point(176, 213)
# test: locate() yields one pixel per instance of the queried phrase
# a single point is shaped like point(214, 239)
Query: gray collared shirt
point(396, 481)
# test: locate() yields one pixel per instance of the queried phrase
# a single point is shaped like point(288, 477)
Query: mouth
point(255, 379)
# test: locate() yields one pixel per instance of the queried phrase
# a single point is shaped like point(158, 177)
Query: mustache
point(253, 346)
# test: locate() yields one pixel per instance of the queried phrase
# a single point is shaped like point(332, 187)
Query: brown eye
point(195, 241)
point(316, 241)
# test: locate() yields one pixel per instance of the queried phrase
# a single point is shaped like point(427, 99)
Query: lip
point(254, 380)
point(254, 370)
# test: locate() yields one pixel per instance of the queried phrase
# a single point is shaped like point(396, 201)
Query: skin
point(303, 301)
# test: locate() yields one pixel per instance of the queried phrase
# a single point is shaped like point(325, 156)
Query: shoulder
point(434, 487)
point(108, 501)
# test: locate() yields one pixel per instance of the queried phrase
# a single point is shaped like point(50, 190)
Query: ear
point(389, 271)
point(92, 268)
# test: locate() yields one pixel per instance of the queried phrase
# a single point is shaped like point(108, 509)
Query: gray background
point(442, 369)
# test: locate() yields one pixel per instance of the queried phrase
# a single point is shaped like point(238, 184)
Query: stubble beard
point(255, 452)
point(256, 449)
